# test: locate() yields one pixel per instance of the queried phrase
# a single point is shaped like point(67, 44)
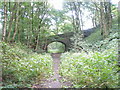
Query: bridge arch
point(65, 38)
point(62, 38)
point(64, 44)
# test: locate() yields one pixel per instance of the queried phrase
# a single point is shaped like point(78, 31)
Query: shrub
point(21, 68)
point(95, 69)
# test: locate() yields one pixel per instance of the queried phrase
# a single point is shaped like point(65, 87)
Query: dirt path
point(55, 80)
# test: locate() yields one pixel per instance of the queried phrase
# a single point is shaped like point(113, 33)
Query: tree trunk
point(37, 43)
point(39, 26)
point(5, 22)
point(73, 18)
point(11, 21)
point(18, 35)
point(80, 14)
point(97, 15)
point(16, 23)
point(109, 15)
point(101, 17)
point(106, 19)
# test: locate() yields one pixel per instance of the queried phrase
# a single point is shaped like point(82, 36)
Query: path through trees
point(56, 80)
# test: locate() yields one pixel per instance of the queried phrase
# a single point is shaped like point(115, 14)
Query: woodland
point(91, 61)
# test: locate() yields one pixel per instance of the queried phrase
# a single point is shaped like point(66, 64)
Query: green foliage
point(92, 70)
point(110, 42)
point(37, 21)
point(94, 37)
point(101, 45)
point(95, 41)
point(97, 37)
point(77, 40)
point(98, 67)
point(21, 68)
point(56, 47)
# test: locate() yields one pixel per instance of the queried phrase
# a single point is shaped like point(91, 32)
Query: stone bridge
point(62, 38)
point(65, 38)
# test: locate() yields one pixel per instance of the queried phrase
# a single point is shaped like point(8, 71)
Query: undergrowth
point(21, 67)
point(95, 69)
point(94, 64)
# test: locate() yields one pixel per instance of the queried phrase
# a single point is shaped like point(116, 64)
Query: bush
point(21, 68)
point(96, 70)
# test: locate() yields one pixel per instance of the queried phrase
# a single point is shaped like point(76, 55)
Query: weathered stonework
point(65, 38)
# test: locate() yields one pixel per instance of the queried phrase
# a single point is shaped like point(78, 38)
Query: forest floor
point(55, 81)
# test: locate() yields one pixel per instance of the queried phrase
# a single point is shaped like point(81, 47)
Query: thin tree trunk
point(37, 43)
point(73, 18)
point(5, 22)
point(109, 15)
point(39, 27)
point(11, 21)
point(101, 17)
point(80, 14)
point(16, 24)
point(18, 35)
point(77, 25)
point(77, 20)
point(97, 15)
point(107, 18)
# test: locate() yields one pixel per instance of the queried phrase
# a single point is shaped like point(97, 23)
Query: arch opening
point(56, 47)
